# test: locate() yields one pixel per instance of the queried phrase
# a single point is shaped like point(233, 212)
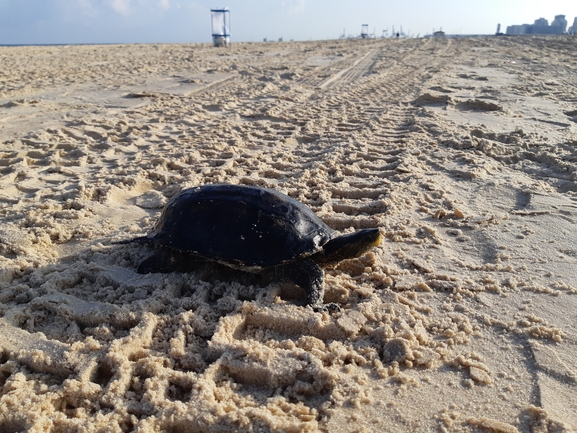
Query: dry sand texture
point(463, 152)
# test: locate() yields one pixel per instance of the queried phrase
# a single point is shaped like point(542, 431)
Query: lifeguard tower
point(365, 31)
point(220, 27)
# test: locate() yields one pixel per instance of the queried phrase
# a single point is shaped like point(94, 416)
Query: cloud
point(195, 6)
point(129, 7)
point(85, 4)
point(120, 6)
point(294, 6)
point(86, 8)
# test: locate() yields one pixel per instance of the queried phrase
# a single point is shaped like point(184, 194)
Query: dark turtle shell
point(240, 225)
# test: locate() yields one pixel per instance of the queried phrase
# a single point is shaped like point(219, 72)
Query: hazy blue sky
point(110, 21)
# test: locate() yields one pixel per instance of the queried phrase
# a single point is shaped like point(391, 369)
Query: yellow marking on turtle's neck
point(377, 241)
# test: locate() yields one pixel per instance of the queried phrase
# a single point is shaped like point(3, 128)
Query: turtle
point(252, 229)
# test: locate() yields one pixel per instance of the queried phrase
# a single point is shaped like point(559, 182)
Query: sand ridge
point(462, 151)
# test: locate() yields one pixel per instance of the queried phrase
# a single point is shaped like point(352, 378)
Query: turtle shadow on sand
point(249, 230)
point(248, 286)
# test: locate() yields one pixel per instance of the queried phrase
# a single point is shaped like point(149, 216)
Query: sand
point(462, 151)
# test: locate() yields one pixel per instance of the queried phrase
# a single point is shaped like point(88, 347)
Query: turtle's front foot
point(308, 275)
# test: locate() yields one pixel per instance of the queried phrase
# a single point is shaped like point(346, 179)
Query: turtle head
point(348, 246)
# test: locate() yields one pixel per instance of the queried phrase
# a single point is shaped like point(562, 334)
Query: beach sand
point(462, 151)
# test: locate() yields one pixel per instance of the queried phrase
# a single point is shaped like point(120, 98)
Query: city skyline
point(541, 26)
point(176, 21)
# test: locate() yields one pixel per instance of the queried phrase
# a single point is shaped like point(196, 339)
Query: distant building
point(573, 29)
point(540, 27)
point(559, 24)
point(518, 29)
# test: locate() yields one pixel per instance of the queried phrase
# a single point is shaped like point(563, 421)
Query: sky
point(182, 21)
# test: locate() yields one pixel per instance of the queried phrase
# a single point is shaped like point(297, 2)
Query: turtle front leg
point(309, 276)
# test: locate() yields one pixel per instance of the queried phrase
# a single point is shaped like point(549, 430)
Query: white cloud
point(294, 6)
point(87, 8)
point(196, 6)
point(128, 7)
point(85, 4)
point(120, 6)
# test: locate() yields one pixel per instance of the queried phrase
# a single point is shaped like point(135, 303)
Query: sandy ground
point(462, 151)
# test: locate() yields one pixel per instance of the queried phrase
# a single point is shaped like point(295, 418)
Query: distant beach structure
point(220, 27)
